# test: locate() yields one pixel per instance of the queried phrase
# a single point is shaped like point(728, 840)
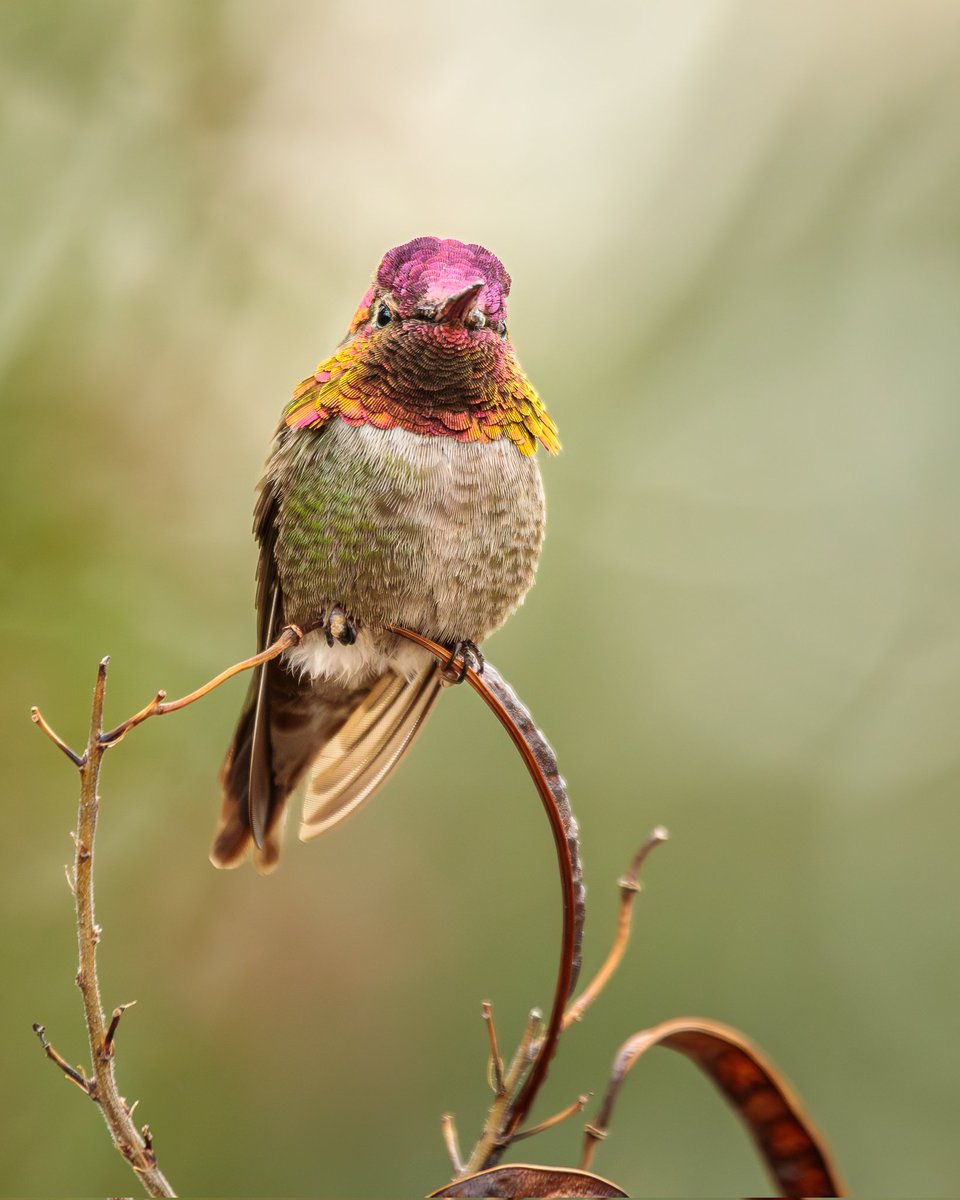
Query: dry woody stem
point(630, 887)
point(135, 1145)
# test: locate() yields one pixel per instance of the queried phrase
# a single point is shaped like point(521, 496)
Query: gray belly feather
point(438, 535)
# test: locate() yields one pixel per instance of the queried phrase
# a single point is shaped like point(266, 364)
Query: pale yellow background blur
point(733, 233)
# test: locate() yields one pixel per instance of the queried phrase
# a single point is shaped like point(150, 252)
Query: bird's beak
point(454, 309)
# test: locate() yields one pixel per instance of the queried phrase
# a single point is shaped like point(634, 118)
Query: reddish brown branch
point(541, 763)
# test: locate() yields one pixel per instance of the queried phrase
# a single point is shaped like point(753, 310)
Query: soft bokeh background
point(732, 229)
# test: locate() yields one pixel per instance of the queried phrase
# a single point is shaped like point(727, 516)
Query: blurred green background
point(733, 233)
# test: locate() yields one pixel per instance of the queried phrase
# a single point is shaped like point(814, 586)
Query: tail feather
point(233, 835)
point(356, 760)
point(283, 723)
point(259, 764)
point(352, 737)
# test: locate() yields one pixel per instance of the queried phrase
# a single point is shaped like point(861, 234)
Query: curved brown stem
point(541, 763)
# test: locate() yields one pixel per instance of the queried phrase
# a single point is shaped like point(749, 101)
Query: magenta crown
point(431, 269)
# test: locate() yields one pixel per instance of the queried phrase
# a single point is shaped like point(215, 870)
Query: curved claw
point(470, 660)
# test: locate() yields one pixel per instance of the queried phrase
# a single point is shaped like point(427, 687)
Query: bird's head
point(439, 289)
point(427, 350)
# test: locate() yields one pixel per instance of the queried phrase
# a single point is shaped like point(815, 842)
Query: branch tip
point(495, 1064)
point(654, 838)
point(72, 1073)
point(564, 1114)
point(78, 760)
point(117, 1013)
point(448, 1127)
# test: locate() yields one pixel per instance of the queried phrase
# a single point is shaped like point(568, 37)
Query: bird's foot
point(470, 659)
point(339, 627)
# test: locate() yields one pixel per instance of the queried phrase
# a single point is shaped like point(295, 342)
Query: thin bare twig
point(563, 1115)
point(102, 1087)
point(629, 889)
point(292, 635)
point(37, 718)
point(136, 1146)
point(74, 1074)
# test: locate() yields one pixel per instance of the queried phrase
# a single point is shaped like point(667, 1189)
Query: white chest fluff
point(353, 665)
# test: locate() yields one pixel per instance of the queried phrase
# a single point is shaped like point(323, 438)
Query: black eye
point(384, 316)
point(502, 329)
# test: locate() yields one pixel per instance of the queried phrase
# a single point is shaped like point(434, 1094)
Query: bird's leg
point(470, 659)
point(339, 627)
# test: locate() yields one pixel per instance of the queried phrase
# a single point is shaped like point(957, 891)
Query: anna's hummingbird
point(402, 488)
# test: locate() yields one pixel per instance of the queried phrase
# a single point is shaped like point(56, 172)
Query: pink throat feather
point(434, 379)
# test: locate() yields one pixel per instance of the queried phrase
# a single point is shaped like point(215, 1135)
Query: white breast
point(355, 665)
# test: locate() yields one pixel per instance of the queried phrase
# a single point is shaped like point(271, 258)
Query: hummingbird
point(402, 488)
